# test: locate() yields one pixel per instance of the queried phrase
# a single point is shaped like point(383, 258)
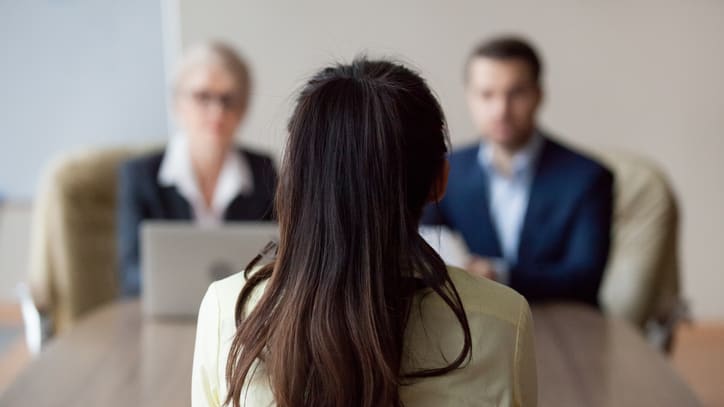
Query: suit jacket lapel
point(239, 209)
point(175, 205)
point(540, 199)
point(485, 239)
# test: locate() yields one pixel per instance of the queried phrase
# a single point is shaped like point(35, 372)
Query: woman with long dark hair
point(356, 309)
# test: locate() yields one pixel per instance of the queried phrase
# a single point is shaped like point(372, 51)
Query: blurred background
point(643, 77)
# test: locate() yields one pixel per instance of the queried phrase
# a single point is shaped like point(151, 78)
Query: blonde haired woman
point(201, 175)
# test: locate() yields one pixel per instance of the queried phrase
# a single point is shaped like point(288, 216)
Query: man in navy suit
point(535, 214)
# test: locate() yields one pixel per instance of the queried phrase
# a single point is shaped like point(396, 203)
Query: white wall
point(639, 75)
point(75, 73)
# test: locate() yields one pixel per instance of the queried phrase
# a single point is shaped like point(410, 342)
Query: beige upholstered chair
point(73, 249)
point(641, 283)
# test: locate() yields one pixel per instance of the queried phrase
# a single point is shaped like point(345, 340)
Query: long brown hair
point(366, 143)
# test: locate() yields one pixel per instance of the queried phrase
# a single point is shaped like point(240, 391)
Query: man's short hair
point(508, 48)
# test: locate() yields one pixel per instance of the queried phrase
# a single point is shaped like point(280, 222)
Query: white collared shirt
point(508, 198)
point(234, 179)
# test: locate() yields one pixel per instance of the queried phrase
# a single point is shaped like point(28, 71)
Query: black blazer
point(141, 197)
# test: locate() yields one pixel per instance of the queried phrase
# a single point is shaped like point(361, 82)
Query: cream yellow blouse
point(501, 371)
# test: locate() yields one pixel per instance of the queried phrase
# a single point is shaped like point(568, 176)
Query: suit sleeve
point(129, 216)
point(578, 275)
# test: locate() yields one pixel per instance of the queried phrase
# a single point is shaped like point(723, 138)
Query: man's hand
point(481, 267)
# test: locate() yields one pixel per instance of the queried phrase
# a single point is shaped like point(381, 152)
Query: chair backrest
point(73, 240)
point(641, 282)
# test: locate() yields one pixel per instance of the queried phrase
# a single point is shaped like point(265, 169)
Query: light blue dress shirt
point(508, 199)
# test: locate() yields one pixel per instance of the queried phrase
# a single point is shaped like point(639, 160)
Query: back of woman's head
point(366, 145)
point(371, 128)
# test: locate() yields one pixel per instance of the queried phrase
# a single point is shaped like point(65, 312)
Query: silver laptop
point(179, 260)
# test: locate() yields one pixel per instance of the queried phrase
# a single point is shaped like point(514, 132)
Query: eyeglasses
point(227, 101)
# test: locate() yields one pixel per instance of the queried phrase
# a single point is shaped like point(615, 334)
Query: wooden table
point(115, 358)
point(585, 359)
